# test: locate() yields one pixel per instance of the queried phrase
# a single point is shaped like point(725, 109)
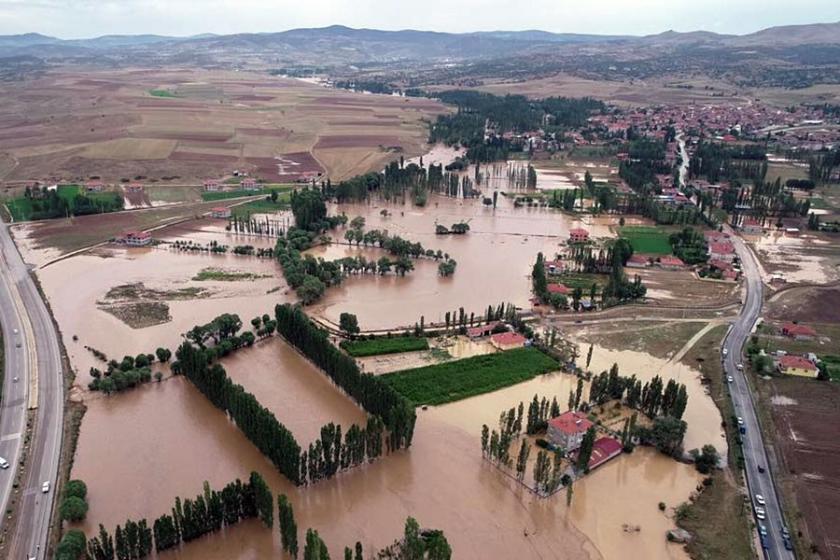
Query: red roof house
point(567, 430)
point(482, 330)
point(558, 289)
point(578, 235)
point(671, 263)
point(507, 340)
point(638, 261)
point(603, 450)
point(797, 365)
point(801, 332)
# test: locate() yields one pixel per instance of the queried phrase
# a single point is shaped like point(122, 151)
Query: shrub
point(73, 508)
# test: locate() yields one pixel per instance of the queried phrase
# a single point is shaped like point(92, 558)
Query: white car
point(4, 464)
point(45, 487)
point(740, 367)
point(759, 514)
point(759, 499)
point(730, 379)
point(740, 421)
point(725, 351)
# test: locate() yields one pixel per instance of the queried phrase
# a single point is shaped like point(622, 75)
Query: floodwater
point(442, 349)
point(701, 415)
point(494, 260)
point(171, 429)
point(273, 371)
point(790, 256)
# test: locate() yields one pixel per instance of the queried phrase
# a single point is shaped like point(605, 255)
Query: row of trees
point(372, 394)
point(208, 512)
point(690, 246)
point(48, 203)
point(130, 372)
point(654, 398)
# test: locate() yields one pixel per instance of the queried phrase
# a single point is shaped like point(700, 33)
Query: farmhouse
point(567, 430)
point(578, 235)
point(220, 212)
point(722, 251)
point(250, 184)
point(554, 267)
point(604, 449)
point(482, 330)
point(507, 340)
point(135, 188)
point(670, 262)
point(638, 261)
point(211, 185)
point(751, 226)
point(94, 186)
point(555, 288)
point(798, 332)
point(797, 365)
point(136, 238)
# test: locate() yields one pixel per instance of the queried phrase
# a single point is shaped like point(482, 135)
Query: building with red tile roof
point(797, 365)
point(722, 251)
point(578, 235)
point(482, 330)
point(638, 261)
point(220, 212)
point(799, 332)
point(670, 262)
point(603, 450)
point(567, 430)
point(136, 238)
point(507, 340)
point(555, 288)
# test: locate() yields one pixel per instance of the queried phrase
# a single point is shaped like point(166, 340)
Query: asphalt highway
point(33, 381)
point(755, 454)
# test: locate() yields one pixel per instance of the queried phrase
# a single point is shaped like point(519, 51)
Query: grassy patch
point(660, 339)
point(140, 315)
point(161, 93)
point(452, 381)
point(647, 240)
point(139, 291)
point(220, 275)
point(377, 346)
point(264, 206)
point(832, 364)
point(223, 195)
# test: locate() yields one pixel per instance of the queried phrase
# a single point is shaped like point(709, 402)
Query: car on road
point(765, 544)
point(762, 529)
point(45, 487)
point(740, 421)
point(17, 344)
point(15, 331)
point(785, 532)
point(759, 499)
point(725, 351)
point(788, 544)
point(760, 469)
point(760, 514)
point(730, 379)
point(740, 367)
point(4, 464)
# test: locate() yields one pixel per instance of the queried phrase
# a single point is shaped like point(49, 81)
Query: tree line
point(190, 519)
point(654, 398)
point(372, 394)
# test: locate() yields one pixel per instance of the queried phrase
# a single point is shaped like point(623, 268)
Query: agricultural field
point(379, 346)
point(647, 240)
point(453, 381)
point(182, 126)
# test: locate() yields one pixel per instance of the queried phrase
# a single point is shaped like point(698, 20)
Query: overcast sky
point(89, 18)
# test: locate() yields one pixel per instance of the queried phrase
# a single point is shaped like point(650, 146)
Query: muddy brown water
point(138, 450)
point(494, 260)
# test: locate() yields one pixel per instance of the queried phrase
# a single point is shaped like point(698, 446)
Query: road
point(685, 159)
point(755, 453)
point(40, 387)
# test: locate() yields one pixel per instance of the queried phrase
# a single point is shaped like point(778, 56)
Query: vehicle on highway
point(15, 331)
point(740, 421)
point(764, 543)
point(740, 367)
point(760, 514)
point(760, 469)
point(759, 499)
point(17, 343)
point(788, 544)
point(4, 464)
point(45, 487)
point(730, 379)
point(725, 351)
point(762, 529)
point(785, 532)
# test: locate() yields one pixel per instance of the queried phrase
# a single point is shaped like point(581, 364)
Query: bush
point(72, 545)
point(661, 506)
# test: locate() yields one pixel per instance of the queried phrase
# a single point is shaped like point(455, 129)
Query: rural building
point(555, 288)
point(220, 212)
point(135, 188)
point(554, 267)
point(507, 340)
point(603, 450)
point(136, 238)
point(211, 185)
point(94, 186)
point(751, 226)
point(798, 332)
point(567, 430)
point(797, 365)
point(638, 261)
point(722, 251)
point(250, 184)
point(482, 330)
point(578, 235)
point(670, 262)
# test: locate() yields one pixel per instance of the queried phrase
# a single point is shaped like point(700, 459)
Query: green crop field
point(161, 93)
point(647, 240)
point(377, 346)
point(21, 207)
point(453, 381)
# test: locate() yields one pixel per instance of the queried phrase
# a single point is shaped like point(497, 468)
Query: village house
point(482, 330)
point(561, 289)
point(603, 450)
point(797, 365)
point(211, 185)
point(94, 186)
point(798, 332)
point(554, 267)
point(135, 188)
point(578, 235)
point(670, 262)
point(250, 184)
point(567, 430)
point(136, 238)
point(638, 261)
point(507, 340)
point(220, 212)
point(751, 226)
point(722, 251)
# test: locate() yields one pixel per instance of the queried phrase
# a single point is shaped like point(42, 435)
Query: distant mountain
point(26, 40)
point(810, 34)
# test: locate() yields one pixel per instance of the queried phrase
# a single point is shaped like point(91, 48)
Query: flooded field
point(494, 260)
point(801, 258)
point(442, 349)
point(299, 395)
